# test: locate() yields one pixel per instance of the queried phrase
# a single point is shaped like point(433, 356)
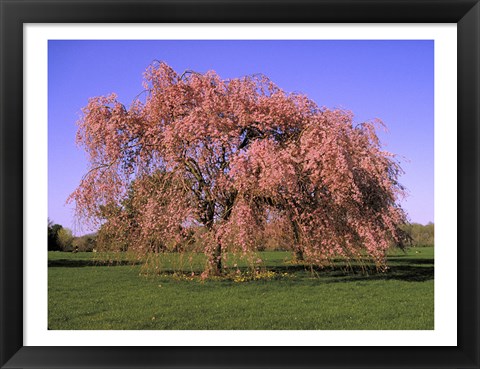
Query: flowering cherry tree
point(230, 157)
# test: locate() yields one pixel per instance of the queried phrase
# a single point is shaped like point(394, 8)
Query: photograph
point(241, 184)
point(236, 184)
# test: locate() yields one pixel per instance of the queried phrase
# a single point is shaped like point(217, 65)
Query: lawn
point(90, 291)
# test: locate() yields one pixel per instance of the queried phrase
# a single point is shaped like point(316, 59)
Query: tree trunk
point(298, 254)
point(296, 240)
point(216, 260)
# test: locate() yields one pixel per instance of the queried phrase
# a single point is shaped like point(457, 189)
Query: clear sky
point(390, 80)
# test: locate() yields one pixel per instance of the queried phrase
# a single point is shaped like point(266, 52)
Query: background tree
point(232, 156)
point(421, 235)
point(65, 239)
point(85, 243)
point(53, 229)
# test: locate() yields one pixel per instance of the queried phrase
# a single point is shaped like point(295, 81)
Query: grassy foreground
point(88, 292)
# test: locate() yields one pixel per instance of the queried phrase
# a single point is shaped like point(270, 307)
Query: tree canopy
point(53, 241)
point(231, 156)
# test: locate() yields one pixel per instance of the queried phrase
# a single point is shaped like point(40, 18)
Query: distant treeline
point(421, 235)
point(61, 239)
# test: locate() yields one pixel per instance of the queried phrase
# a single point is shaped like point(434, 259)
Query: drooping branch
point(227, 153)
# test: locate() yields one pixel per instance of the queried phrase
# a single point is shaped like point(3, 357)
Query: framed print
point(233, 224)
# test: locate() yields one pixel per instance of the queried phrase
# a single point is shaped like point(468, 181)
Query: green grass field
point(89, 291)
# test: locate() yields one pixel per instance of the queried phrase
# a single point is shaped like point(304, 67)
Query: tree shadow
point(66, 263)
point(410, 270)
point(405, 273)
point(393, 261)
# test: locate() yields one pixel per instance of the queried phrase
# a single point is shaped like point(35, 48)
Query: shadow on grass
point(89, 263)
point(394, 261)
point(407, 273)
point(413, 271)
point(410, 270)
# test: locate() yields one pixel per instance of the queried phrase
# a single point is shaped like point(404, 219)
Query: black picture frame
point(15, 13)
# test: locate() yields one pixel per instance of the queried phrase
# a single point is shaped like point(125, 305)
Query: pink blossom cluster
point(236, 157)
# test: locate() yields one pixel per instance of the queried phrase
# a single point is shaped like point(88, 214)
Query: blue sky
point(390, 80)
